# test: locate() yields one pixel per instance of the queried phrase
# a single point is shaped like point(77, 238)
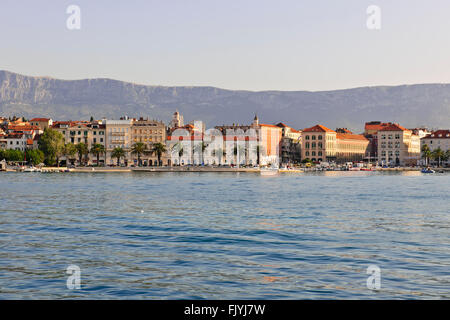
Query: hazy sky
point(234, 44)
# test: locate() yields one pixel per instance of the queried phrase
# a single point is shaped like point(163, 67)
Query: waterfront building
point(291, 143)
point(320, 143)
point(185, 144)
point(118, 134)
point(16, 141)
point(149, 132)
point(86, 132)
point(262, 139)
point(398, 146)
point(439, 139)
point(371, 133)
point(350, 147)
point(20, 135)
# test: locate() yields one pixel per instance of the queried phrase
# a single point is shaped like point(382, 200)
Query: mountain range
point(410, 105)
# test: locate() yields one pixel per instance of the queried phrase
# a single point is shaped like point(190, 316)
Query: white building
point(118, 134)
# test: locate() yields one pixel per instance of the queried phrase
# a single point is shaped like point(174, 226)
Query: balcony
point(118, 134)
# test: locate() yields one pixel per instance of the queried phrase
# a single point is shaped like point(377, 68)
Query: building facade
point(42, 123)
point(89, 133)
point(149, 132)
point(320, 143)
point(398, 146)
point(118, 135)
point(291, 144)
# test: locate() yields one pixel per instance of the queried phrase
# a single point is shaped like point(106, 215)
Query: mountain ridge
point(411, 105)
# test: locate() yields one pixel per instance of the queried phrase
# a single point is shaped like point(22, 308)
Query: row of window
point(72, 140)
point(313, 145)
point(390, 153)
point(313, 153)
point(390, 136)
point(149, 131)
point(390, 144)
point(313, 137)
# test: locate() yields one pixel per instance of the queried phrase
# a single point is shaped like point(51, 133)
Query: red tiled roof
point(39, 119)
point(394, 127)
point(22, 128)
point(318, 128)
point(15, 135)
point(376, 126)
point(29, 141)
point(439, 134)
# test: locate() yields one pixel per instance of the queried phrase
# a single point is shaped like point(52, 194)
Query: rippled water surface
point(224, 235)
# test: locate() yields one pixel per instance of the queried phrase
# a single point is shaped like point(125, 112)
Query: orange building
point(320, 143)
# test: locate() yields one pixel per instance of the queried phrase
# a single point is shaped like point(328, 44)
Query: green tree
point(446, 156)
point(437, 155)
point(139, 149)
point(12, 155)
point(35, 156)
point(426, 153)
point(82, 150)
point(97, 150)
point(159, 149)
point(52, 145)
point(118, 153)
point(70, 150)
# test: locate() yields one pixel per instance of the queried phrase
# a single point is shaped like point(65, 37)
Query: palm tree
point(446, 156)
point(238, 150)
point(97, 150)
point(70, 151)
point(437, 154)
point(200, 148)
point(258, 150)
point(118, 153)
point(426, 152)
point(159, 149)
point(220, 153)
point(139, 148)
point(178, 148)
point(82, 150)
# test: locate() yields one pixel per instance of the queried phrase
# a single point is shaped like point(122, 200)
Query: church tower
point(255, 121)
point(177, 120)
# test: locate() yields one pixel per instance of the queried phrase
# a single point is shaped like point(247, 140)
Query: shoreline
point(207, 169)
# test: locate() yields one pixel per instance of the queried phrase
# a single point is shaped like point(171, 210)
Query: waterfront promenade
point(204, 169)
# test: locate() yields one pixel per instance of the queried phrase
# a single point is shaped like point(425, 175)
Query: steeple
point(255, 121)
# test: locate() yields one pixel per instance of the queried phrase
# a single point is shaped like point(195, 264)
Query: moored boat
point(270, 171)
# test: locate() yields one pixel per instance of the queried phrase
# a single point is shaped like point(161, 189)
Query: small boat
point(427, 170)
point(29, 169)
point(354, 169)
point(271, 171)
point(366, 169)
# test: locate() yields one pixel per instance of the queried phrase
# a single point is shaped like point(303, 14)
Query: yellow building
point(148, 132)
point(320, 143)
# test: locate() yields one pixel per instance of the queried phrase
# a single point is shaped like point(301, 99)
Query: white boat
point(270, 171)
point(29, 169)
